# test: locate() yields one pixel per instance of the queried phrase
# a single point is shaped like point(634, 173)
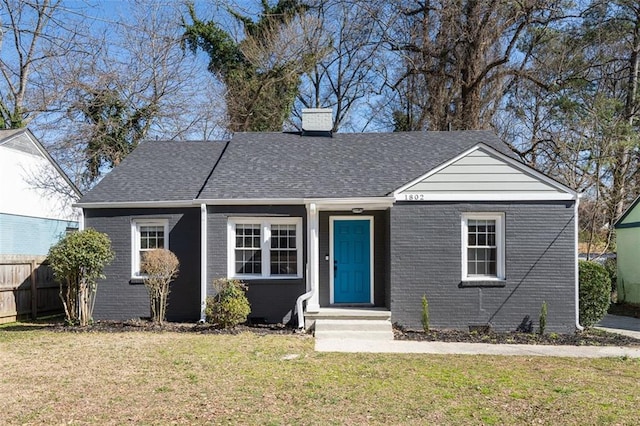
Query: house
point(628, 248)
point(374, 219)
point(32, 217)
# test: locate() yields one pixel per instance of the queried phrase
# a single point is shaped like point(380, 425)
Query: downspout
point(300, 308)
point(203, 262)
point(312, 265)
point(81, 220)
point(577, 270)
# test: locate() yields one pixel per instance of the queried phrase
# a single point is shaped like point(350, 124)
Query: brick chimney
point(317, 120)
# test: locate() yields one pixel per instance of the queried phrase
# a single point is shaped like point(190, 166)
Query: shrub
point(160, 267)
point(611, 265)
point(595, 291)
point(230, 306)
point(543, 317)
point(425, 313)
point(77, 261)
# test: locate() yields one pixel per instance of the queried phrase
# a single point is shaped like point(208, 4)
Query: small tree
point(543, 317)
point(595, 292)
point(425, 313)
point(230, 306)
point(160, 268)
point(77, 261)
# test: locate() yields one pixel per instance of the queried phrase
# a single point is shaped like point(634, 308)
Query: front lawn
point(186, 378)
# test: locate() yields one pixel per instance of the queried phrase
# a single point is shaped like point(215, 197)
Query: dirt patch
point(585, 338)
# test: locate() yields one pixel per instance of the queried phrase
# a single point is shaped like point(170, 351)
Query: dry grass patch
point(178, 378)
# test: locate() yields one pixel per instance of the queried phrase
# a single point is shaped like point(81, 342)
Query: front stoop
point(361, 324)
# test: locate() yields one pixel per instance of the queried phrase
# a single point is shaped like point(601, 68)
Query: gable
point(631, 217)
point(24, 166)
point(483, 174)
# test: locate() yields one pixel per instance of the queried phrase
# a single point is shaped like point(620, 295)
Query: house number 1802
point(414, 197)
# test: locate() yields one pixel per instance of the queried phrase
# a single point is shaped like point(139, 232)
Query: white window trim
point(135, 241)
point(265, 245)
point(500, 242)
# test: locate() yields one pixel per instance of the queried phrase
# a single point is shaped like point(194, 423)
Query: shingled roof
point(283, 165)
point(158, 171)
point(290, 165)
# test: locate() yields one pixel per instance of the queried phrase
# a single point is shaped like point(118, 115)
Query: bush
point(77, 261)
point(595, 292)
point(160, 267)
point(230, 306)
point(611, 265)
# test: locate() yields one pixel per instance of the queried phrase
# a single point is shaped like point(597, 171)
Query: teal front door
point(351, 261)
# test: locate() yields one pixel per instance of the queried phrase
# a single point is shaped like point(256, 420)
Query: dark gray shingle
point(158, 171)
point(288, 165)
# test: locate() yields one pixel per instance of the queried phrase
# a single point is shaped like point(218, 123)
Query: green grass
point(184, 378)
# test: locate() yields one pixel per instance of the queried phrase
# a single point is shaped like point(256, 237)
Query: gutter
point(136, 204)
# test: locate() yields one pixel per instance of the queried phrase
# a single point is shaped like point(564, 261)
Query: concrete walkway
point(627, 326)
point(621, 325)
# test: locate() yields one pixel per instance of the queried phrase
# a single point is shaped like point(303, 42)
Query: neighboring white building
point(32, 218)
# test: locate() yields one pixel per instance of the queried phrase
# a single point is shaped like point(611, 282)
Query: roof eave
point(135, 204)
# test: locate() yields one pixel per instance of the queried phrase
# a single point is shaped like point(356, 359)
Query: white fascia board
point(485, 196)
point(370, 203)
point(514, 163)
point(136, 204)
point(250, 201)
point(321, 203)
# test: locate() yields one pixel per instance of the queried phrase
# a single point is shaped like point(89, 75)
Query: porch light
point(357, 210)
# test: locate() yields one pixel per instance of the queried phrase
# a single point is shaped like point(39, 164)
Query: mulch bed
point(148, 326)
point(590, 337)
point(585, 338)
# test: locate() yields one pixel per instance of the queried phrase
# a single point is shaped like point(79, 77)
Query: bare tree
point(352, 71)
point(580, 121)
point(138, 84)
point(32, 34)
point(455, 58)
point(260, 67)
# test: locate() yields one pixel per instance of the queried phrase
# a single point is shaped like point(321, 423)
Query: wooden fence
point(27, 288)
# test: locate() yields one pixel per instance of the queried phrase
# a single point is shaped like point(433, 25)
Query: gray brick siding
point(540, 266)
point(118, 298)
point(271, 300)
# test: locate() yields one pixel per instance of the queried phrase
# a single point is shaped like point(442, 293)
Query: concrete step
point(361, 329)
point(350, 314)
point(353, 325)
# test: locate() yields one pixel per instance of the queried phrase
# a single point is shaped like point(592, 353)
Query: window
point(248, 249)
point(265, 247)
point(147, 235)
point(483, 246)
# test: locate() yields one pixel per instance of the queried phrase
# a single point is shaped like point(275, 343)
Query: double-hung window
point(264, 247)
point(147, 235)
point(483, 246)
